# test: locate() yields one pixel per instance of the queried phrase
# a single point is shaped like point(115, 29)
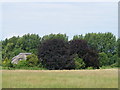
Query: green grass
point(102, 78)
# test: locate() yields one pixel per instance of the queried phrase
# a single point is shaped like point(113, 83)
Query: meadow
point(100, 78)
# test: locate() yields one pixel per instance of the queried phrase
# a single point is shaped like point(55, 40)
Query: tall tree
point(89, 56)
point(54, 54)
point(55, 36)
point(78, 37)
point(118, 46)
point(103, 42)
point(29, 43)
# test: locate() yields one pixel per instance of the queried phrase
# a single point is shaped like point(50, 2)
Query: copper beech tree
point(59, 54)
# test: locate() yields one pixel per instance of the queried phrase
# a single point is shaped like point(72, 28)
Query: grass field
point(103, 78)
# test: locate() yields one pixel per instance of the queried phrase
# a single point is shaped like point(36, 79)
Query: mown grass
point(102, 78)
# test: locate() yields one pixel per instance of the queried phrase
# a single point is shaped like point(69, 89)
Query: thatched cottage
point(20, 56)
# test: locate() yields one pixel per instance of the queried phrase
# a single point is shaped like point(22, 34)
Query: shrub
point(32, 60)
point(114, 65)
point(40, 65)
point(89, 68)
point(21, 64)
point(54, 54)
point(117, 63)
point(7, 63)
point(79, 63)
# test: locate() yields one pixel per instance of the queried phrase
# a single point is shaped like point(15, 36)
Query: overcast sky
point(70, 18)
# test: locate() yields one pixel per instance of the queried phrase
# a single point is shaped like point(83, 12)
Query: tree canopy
point(55, 51)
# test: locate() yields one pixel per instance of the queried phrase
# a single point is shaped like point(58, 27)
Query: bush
point(117, 63)
point(89, 68)
point(32, 60)
point(21, 64)
point(106, 67)
point(7, 63)
point(114, 65)
point(24, 65)
point(54, 55)
point(40, 65)
point(79, 63)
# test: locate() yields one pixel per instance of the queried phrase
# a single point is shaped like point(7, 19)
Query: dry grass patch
point(102, 78)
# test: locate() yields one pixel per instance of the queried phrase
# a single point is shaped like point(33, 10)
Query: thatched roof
point(20, 56)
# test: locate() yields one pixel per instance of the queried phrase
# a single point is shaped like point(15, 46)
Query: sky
point(71, 18)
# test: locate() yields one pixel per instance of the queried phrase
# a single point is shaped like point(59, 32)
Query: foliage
point(118, 46)
point(108, 67)
point(40, 65)
point(114, 65)
point(17, 51)
point(113, 59)
point(79, 63)
point(21, 64)
point(7, 63)
point(55, 36)
point(89, 68)
point(103, 42)
point(15, 45)
point(7, 47)
point(32, 60)
point(78, 37)
point(15, 67)
point(78, 47)
point(89, 56)
point(29, 43)
point(54, 54)
point(117, 61)
point(91, 59)
point(0, 53)
point(103, 58)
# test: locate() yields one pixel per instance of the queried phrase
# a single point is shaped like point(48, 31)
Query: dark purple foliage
point(54, 55)
point(89, 56)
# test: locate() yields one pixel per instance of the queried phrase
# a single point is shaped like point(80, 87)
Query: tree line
point(55, 51)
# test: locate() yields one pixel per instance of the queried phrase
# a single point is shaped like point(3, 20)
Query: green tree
point(103, 42)
point(103, 59)
point(29, 43)
point(32, 60)
point(55, 36)
point(118, 46)
point(76, 37)
point(113, 59)
point(0, 53)
point(8, 46)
